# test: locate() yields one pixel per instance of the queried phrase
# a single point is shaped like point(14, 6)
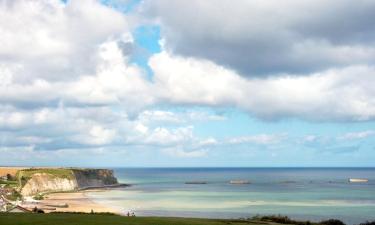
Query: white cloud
point(67, 82)
point(357, 135)
point(208, 142)
point(313, 97)
point(179, 153)
point(186, 116)
point(96, 135)
point(160, 116)
point(309, 138)
point(162, 136)
point(264, 139)
point(53, 40)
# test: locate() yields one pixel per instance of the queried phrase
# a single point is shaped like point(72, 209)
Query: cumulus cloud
point(314, 97)
point(53, 40)
point(67, 80)
point(259, 37)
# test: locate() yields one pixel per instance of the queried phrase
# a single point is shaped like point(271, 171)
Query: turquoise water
point(302, 193)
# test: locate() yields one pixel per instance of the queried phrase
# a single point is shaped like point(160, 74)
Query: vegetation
point(368, 223)
point(332, 222)
point(14, 195)
point(38, 197)
point(10, 177)
point(280, 219)
point(286, 220)
point(24, 175)
point(104, 219)
point(58, 172)
point(78, 218)
point(9, 183)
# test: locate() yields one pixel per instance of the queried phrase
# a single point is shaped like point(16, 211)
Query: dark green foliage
point(280, 219)
point(368, 223)
point(10, 177)
point(15, 195)
point(332, 222)
point(38, 197)
point(36, 210)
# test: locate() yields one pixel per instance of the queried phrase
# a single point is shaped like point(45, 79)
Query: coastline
point(76, 202)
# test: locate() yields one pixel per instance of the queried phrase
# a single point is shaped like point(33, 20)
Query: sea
point(301, 193)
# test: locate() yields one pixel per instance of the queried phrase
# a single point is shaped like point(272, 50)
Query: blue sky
point(187, 83)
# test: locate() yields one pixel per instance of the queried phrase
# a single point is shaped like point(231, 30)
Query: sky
point(214, 83)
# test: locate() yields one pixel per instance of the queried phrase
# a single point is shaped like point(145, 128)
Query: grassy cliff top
point(58, 172)
point(23, 175)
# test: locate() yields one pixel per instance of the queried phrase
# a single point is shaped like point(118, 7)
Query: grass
point(98, 219)
point(24, 175)
point(11, 183)
point(62, 173)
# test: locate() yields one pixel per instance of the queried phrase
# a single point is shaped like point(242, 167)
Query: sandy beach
point(76, 201)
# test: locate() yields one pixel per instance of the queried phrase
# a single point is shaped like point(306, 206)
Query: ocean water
point(301, 193)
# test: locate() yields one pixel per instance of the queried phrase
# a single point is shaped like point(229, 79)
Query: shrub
point(14, 195)
point(36, 210)
point(280, 219)
point(368, 223)
point(332, 222)
point(38, 197)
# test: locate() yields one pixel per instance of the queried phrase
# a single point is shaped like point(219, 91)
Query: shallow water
point(303, 193)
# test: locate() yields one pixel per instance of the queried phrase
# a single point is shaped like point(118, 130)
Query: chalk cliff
point(56, 180)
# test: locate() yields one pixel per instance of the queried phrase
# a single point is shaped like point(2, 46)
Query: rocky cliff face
point(42, 182)
point(94, 178)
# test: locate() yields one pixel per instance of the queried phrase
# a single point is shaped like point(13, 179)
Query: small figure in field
point(128, 214)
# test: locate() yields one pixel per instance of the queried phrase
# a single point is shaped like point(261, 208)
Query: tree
point(9, 177)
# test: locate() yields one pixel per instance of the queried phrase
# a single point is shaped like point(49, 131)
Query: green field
point(92, 219)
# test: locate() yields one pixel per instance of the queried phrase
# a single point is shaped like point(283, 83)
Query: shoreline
point(77, 201)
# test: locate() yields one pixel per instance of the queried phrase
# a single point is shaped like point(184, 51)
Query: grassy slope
point(87, 219)
point(62, 173)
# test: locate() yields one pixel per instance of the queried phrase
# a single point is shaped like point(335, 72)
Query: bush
point(36, 210)
point(15, 195)
point(280, 219)
point(332, 222)
point(368, 223)
point(10, 177)
point(38, 197)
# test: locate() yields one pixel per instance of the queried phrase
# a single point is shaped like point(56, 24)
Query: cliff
point(33, 181)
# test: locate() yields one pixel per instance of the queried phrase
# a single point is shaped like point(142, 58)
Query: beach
point(76, 201)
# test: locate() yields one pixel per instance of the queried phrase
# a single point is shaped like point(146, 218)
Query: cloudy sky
point(187, 83)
